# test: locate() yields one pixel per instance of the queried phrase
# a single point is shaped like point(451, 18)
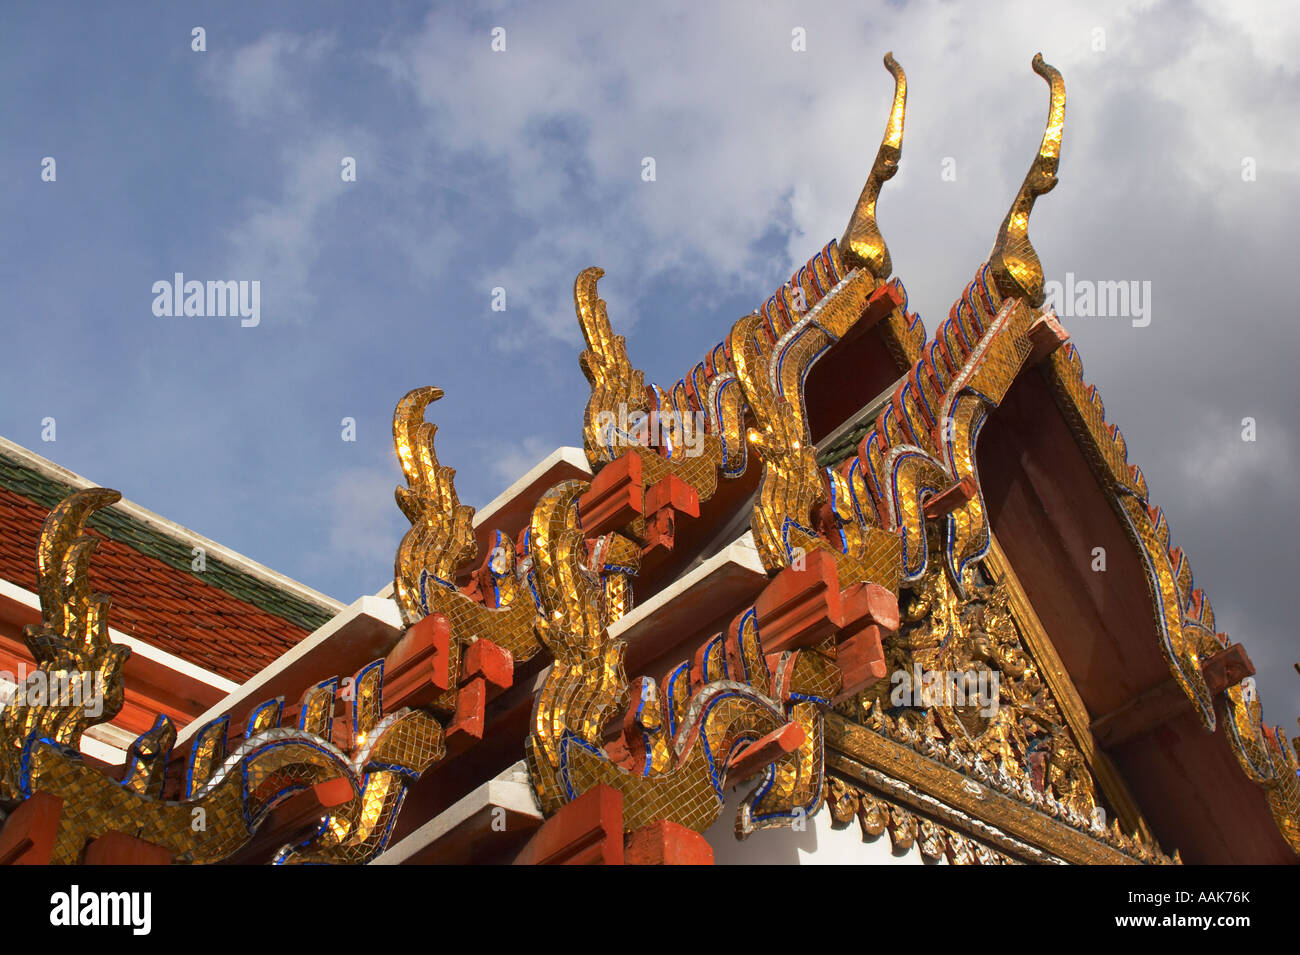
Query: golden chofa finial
point(1013, 261)
point(863, 247)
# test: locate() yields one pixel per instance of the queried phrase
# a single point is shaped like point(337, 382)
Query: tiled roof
point(223, 619)
point(845, 446)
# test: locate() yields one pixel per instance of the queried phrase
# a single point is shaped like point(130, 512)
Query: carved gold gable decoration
point(965, 680)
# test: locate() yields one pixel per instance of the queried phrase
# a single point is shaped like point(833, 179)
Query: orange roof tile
point(153, 601)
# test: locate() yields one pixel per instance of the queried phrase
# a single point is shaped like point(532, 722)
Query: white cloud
point(365, 524)
point(268, 76)
point(509, 461)
point(537, 153)
point(750, 137)
point(278, 241)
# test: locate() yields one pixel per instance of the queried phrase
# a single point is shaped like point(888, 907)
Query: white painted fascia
point(742, 554)
point(171, 529)
point(148, 651)
point(572, 456)
point(93, 745)
point(511, 790)
point(374, 609)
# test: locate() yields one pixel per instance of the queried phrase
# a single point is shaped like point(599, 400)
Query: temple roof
point(232, 618)
point(919, 584)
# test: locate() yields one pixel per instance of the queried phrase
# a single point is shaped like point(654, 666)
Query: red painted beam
point(761, 753)
point(587, 831)
point(28, 834)
point(666, 843)
point(615, 498)
point(117, 848)
point(419, 667)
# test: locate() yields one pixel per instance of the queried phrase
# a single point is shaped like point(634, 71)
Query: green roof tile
point(118, 526)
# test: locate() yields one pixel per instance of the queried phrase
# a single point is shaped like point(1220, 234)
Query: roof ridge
point(45, 482)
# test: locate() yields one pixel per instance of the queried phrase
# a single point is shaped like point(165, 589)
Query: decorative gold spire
point(441, 537)
point(862, 246)
point(71, 644)
point(1015, 266)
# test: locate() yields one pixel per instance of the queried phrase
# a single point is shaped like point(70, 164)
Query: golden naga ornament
point(792, 484)
point(73, 653)
point(623, 415)
point(441, 537)
point(757, 374)
point(226, 797)
point(862, 245)
point(441, 540)
point(1267, 760)
point(681, 738)
point(614, 382)
point(923, 444)
point(1014, 263)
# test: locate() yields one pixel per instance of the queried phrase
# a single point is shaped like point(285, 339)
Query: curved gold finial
point(1015, 266)
point(615, 384)
point(70, 643)
point(441, 536)
point(68, 607)
point(862, 246)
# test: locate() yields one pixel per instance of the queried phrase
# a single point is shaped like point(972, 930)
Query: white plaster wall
point(818, 844)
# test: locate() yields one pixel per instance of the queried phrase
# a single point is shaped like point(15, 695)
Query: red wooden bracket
point(419, 667)
point(117, 848)
point(672, 492)
point(666, 843)
point(879, 304)
point(761, 753)
point(587, 831)
point(800, 605)
point(663, 501)
point(1046, 335)
point(868, 613)
point(660, 531)
point(466, 726)
point(486, 670)
point(615, 498)
point(493, 663)
point(949, 499)
point(1226, 668)
point(28, 834)
point(865, 604)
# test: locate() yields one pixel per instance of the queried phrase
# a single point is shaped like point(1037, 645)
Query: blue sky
point(517, 169)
